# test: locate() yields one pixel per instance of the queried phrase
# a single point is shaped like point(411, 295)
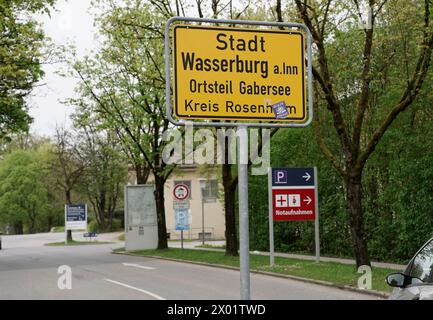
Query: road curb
point(379, 294)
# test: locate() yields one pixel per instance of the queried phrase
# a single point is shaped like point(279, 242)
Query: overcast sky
point(71, 23)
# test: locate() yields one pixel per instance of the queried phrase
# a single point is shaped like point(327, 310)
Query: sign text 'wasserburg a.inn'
point(239, 74)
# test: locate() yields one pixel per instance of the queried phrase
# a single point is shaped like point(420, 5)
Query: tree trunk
point(18, 228)
point(68, 201)
point(354, 209)
point(229, 208)
point(160, 212)
point(142, 174)
point(69, 235)
point(49, 223)
point(68, 196)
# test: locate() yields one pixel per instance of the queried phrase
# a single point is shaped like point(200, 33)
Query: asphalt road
point(29, 270)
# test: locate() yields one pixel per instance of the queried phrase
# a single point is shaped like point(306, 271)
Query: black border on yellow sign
point(213, 117)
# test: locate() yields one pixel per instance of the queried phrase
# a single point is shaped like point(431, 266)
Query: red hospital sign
point(293, 194)
point(293, 204)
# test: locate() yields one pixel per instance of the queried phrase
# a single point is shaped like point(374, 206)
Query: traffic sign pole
point(316, 222)
point(271, 220)
point(66, 228)
point(244, 245)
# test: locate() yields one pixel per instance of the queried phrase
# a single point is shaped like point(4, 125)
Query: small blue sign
point(282, 177)
point(181, 218)
point(280, 110)
point(90, 235)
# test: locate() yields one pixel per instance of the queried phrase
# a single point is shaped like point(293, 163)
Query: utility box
point(141, 228)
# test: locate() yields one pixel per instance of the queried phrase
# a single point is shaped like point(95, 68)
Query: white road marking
point(137, 289)
point(137, 266)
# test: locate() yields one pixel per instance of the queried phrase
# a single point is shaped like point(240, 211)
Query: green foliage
point(297, 148)
point(23, 195)
point(397, 193)
point(21, 44)
point(93, 226)
point(58, 229)
point(116, 225)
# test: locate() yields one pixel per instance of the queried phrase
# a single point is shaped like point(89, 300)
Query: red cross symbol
point(281, 200)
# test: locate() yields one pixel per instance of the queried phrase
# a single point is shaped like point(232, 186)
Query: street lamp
point(202, 182)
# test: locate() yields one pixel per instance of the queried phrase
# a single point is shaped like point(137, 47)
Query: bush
point(116, 225)
point(93, 226)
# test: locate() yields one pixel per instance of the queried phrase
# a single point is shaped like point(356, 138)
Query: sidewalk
point(193, 244)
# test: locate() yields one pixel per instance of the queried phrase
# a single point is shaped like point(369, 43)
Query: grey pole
point(202, 217)
point(316, 221)
point(271, 220)
point(66, 229)
point(243, 213)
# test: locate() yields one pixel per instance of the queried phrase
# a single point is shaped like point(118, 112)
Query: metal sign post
point(316, 222)
point(66, 229)
point(244, 241)
point(271, 220)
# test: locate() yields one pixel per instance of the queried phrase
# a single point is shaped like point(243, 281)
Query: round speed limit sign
point(181, 192)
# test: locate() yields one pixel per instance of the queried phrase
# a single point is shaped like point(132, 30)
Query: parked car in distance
point(416, 282)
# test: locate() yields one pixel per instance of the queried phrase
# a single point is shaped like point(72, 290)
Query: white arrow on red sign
point(308, 200)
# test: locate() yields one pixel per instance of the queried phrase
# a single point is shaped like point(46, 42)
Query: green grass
point(76, 243)
point(337, 273)
point(58, 229)
point(122, 237)
point(210, 246)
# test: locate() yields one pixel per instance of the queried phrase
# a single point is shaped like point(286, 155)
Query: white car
point(416, 282)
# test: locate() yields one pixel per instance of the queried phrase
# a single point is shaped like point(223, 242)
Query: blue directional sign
point(75, 216)
point(282, 177)
point(76, 212)
point(90, 235)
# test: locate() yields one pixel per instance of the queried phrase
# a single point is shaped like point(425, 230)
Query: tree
point(104, 173)
point(67, 165)
point(123, 85)
point(23, 195)
point(375, 78)
point(21, 55)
